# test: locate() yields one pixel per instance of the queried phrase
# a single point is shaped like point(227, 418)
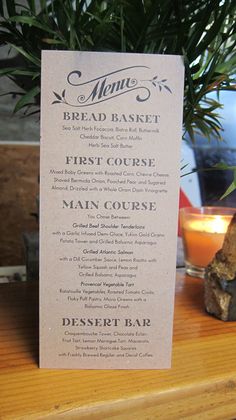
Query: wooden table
point(200, 385)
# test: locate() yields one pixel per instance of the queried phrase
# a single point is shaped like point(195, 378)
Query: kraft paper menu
point(111, 128)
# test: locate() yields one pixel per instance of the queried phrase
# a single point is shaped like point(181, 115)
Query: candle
point(203, 232)
point(204, 237)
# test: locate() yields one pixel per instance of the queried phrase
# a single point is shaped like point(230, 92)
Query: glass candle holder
point(203, 231)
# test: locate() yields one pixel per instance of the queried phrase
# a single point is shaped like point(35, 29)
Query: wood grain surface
point(200, 385)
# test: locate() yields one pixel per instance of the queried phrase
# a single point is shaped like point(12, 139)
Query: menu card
point(111, 127)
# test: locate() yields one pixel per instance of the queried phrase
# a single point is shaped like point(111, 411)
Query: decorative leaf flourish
point(60, 98)
point(159, 83)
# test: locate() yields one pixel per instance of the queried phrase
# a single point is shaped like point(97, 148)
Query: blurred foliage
point(203, 31)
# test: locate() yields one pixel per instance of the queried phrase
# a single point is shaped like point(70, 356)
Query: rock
point(220, 279)
point(31, 241)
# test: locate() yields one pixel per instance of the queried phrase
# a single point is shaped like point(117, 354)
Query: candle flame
point(215, 224)
point(219, 225)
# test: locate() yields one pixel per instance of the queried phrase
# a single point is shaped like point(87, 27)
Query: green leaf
point(221, 166)
point(1, 8)
point(27, 98)
point(231, 188)
point(32, 21)
point(60, 16)
point(212, 32)
point(226, 67)
point(43, 4)
point(18, 72)
point(27, 55)
point(189, 78)
point(32, 6)
point(51, 41)
point(11, 9)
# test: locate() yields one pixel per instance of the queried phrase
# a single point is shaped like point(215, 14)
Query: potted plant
point(203, 31)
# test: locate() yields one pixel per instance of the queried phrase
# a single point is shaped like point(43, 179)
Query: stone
point(220, 279)
point(31, 241)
